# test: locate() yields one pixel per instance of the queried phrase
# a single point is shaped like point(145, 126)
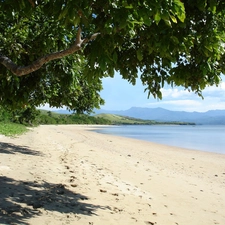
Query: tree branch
point(37, 64)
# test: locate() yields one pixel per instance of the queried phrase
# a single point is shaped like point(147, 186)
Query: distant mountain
point(212, 117)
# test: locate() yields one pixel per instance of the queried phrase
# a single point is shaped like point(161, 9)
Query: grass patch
point(12, 129)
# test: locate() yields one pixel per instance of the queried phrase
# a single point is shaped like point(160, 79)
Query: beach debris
point(103, 191)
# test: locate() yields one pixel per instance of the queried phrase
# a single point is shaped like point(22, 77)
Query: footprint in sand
point(115, 194)
point(67, 167)
point(72, 178)
point(134, 219)
point(151, 223)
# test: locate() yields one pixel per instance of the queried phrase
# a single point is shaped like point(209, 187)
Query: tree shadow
point(21, 200)
point(8, 148)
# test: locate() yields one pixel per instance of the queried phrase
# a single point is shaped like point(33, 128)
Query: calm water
point(205, 138)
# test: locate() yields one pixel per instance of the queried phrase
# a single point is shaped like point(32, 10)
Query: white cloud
point(215, 91)
point(175, 93)
point(186, 103)
point(182, 100)
point(221, 87)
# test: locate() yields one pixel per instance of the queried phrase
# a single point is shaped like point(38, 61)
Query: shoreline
point(69, 174)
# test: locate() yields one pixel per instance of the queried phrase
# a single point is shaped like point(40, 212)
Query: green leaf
point(147, 20)
point(129, 7)
point(209, 66)
point(209, 47)
point(146, 17)
point(115, 57)
point(173, 18)
point(139, 54)
point(63, 13)
point(213, 5)
point(157, 18)
point(102, 63)
point(179, 10)
point(76, 21)
point(174, 39)
point(111, 71)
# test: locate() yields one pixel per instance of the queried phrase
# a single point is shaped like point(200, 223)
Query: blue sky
point(120, 95)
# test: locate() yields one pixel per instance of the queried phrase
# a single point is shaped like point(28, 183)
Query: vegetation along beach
point(68, 174)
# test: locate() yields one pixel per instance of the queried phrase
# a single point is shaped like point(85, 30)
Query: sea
point(210, 138)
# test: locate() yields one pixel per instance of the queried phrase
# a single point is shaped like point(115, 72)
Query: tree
point(46, 46)
point(60, 83)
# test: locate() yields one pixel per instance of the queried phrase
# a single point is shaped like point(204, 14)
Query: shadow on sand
point(21, 200)
point(8, 148)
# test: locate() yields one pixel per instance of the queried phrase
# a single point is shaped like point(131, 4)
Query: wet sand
point(68, 174)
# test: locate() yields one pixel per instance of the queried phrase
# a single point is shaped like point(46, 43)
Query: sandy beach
point(69, 174)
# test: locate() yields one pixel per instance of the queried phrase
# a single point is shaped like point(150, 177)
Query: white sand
point(70, 175)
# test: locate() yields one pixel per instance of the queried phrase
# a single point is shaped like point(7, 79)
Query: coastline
point(68, 174)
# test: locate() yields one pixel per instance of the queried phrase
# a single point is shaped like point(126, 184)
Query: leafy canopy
point(56, 52)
